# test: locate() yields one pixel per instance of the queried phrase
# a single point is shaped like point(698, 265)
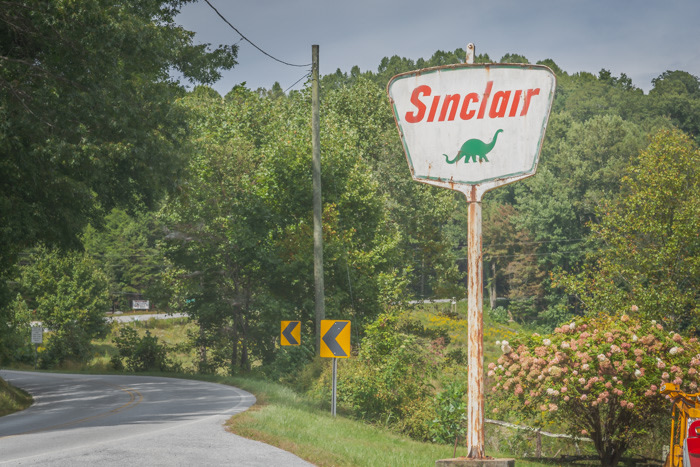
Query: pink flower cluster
point(598, 361)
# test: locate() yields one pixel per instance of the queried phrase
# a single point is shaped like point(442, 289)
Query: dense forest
point(118, 183)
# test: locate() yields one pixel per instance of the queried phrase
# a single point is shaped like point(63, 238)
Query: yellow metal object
point(335, 338)
point(686, 409)
point(291, 333)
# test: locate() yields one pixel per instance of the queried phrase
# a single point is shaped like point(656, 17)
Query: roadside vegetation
point(12, 399)
point(121, 183)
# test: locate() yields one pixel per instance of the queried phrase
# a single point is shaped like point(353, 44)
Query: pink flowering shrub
point(597, 375)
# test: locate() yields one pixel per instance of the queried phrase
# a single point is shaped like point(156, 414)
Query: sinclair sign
point(473, 125)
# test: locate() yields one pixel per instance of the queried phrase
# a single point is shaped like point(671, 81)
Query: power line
point(565, 240)
point(249, 41)
point(290, 87)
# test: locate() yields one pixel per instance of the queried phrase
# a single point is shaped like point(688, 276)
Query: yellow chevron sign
point(335, 338)
point(291, 333)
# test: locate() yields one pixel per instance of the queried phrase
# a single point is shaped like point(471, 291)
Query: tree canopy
point(88, 112)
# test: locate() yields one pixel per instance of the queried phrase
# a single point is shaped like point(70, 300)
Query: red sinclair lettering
point(415, 117)
point(503, 104)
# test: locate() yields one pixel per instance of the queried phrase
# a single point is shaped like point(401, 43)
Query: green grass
point(12, 399)
point(296, 424)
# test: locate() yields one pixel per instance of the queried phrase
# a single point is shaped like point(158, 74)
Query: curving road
point(129, 420)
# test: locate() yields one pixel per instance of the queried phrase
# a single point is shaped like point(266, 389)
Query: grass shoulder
point(302, 426)
point(12, 399)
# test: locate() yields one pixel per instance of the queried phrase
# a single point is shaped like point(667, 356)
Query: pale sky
point(641, 38)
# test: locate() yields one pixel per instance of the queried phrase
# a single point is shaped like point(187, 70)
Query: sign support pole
point(37, 338)
point(475, 330)
point(475, 320)
point(335, 386)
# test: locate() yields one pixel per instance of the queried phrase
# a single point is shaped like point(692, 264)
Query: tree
point(88, 112)
point(419, 212)
point(676, 95)
point(514, 58)
point(581, 167)
point(69, 294)
point(597, 377)
point(219, 233)
point(650, 249)
point(125, 248)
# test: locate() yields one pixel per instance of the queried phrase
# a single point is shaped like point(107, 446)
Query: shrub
point(450, 410)
point(140, 353)
point(598, 377)
point(392, 380)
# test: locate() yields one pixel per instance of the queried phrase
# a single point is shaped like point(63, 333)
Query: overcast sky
point(641, 38)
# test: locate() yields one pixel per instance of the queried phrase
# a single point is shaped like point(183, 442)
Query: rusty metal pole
point(475, 330)
point(475, 326)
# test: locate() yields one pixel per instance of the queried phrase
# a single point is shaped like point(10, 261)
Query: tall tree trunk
point(234, 347)
point(245, 364)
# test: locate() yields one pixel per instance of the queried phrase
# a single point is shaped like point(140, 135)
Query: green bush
point(140, 353)
point(69, 294)
point(289, 365)
point(392, 380)
point(450, 410)
point(499, 315)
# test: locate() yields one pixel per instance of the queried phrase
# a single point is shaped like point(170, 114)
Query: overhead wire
point(297, 81)
point(251, 42)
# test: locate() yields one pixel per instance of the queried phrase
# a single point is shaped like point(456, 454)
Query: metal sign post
point(472, 128)
point(335, 386)
point(335, 344)
point(37, 338)
point(475, 331)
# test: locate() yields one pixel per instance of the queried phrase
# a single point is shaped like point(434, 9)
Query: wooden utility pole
point(317, 204)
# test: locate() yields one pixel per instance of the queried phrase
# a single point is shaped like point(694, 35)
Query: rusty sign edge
point(485, 185)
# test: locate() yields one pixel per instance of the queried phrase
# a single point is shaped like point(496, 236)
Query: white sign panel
point(466, 125)
point(140, 305)
point(37, 334)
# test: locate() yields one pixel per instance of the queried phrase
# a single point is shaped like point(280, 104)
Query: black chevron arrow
point(287, 333)
point(329, 338)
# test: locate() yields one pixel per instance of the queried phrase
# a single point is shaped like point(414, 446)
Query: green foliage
point(89, 117)
point(597, 377)
point(513, 58)
point(12, 399)
point(676, 94)
point(68, 293)
point(290, 365)
point(219, 228)
point(392, 380)
point(15, 334)
point(451, 413)
point(499, 315)
point(651, 256)
point(140, 353)
point(125, 247)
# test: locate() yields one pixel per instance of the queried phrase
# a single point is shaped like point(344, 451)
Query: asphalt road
point(121, 420)
point(144, 317)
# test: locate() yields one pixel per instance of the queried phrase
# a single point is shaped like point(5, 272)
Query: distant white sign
point(466, 125)
point(37, 334)
point(140, 305)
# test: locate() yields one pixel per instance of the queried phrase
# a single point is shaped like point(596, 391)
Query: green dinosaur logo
point(472, 148)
